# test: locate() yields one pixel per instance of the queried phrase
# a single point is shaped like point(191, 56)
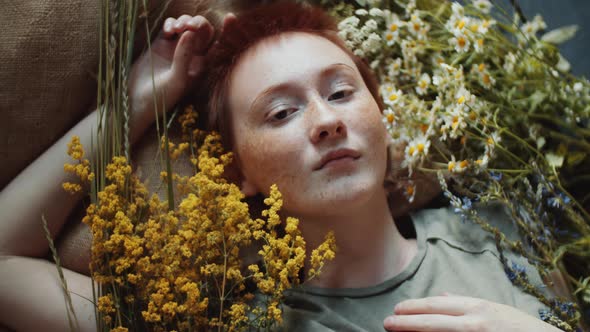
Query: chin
point(342, 196)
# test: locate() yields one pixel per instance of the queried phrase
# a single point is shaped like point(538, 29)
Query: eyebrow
point(285, 85)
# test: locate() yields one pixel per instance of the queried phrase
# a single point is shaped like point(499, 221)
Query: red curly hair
point(252, 26)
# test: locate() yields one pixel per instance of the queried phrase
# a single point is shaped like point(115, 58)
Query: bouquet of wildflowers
point(486, 102)
point(183, 268)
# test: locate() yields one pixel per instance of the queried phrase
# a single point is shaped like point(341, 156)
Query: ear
point(247, 188)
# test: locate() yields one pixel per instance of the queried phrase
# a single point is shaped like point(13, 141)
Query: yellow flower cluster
point(81, 167)
point(174, 269)
point(188, 121)
point(174, 150)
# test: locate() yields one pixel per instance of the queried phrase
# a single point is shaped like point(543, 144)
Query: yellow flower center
point(390, 118)
point(463, 164)
point(393, 97)
point(451, 165)
point(455, 122)
point(393, 27)
point(461, 24)
point(420, 147)
point(411, 150)
point(461, 42)
point(389, 36)
point(461, 100)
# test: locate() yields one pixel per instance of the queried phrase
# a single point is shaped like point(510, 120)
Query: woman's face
point(304, 119)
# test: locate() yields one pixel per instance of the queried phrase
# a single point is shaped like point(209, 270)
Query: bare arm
point(32, 299)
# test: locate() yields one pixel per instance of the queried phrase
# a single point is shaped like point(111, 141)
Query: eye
point(282, 114)
point(339, 95)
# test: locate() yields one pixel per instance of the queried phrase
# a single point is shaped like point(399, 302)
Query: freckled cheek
point(269, 160)
point(371, 128)
point(369, 122)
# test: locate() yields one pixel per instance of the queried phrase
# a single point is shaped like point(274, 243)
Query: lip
point(336, 155)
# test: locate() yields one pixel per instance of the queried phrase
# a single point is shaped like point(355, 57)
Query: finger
point(229, 21)
point(422, 323)
point(181, 23)
point(445, 305)
point(205, 32)
point(183, 54)
point(168, 29)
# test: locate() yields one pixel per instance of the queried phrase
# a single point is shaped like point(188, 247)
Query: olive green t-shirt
point(453, 256)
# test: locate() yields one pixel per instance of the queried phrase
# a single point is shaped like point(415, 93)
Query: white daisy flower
point(415, 25)
point(485, 6)
point(482, 163)
point(485, 25)
point(393, 67)
point(393, 25)
point(391, 95)
point(423, 84)
point(388, 118)
point(463, 96)
point(460, 42)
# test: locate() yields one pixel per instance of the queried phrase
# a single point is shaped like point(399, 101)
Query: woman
point(301, 111)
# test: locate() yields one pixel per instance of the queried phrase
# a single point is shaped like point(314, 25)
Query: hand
point(458, 313)
point(170, 66)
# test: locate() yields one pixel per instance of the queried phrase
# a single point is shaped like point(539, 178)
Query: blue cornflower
point(497, 176)
point(567, 307)
point(516, 271)
point(545, 314)
point(565, 198)
point(466, 204)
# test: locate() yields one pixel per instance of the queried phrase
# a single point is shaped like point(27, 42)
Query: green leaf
point(560, 35)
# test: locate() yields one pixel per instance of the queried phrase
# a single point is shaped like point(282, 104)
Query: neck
point(370, 247)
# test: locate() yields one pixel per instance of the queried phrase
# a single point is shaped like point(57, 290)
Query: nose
point(325, 121)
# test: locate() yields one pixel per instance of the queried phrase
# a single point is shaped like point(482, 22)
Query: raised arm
point(31, 295)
